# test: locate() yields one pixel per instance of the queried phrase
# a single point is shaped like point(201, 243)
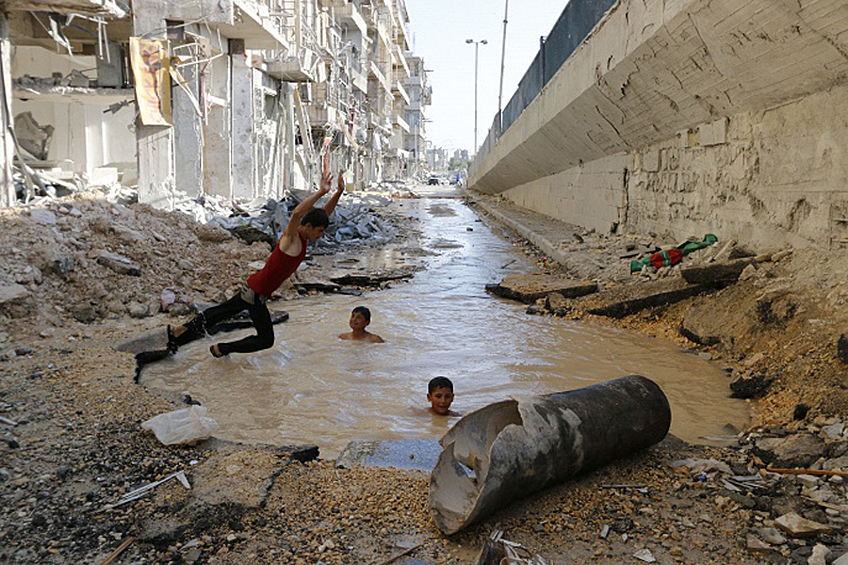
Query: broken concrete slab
point(419, 454)
point(799, 527)
point(796, 450)
point(714, 273)
point(371, 280)
point(619, 303)
point(531, 287)
point(119, 264)
point(12, 293)
point(696, 329)
point(226, 485)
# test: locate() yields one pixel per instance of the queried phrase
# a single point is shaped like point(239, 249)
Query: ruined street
point(72, 412)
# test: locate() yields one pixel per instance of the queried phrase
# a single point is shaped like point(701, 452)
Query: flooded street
point(314, 388)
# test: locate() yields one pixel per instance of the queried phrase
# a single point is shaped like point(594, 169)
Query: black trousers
point(259, 315)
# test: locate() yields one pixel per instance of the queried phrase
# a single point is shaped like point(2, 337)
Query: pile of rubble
point(792, 480)
point(86, 257)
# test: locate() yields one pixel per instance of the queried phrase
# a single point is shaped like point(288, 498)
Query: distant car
point(433, 180)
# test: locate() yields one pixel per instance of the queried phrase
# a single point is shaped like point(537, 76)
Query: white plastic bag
point(188, 425)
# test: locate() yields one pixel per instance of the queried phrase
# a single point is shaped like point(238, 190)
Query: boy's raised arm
point(331, 205)
point(290, 233)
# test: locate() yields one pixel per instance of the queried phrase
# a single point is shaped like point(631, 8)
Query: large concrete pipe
point(510, 449)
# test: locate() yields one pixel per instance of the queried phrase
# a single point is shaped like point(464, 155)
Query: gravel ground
point(75, 445)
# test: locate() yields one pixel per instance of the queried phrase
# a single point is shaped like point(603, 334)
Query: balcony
point(253, 23)
point(302, 68)
point(106, 8)
point(381, 78)
point(400, 91)
point(350, 14)
point(400, 63)
point(401, 123)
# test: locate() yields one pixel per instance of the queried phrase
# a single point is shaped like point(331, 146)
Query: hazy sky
point(440, 28)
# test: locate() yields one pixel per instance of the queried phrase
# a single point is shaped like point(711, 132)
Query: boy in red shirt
point(306, 225)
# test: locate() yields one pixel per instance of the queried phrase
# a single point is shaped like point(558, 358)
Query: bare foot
point(215, 351)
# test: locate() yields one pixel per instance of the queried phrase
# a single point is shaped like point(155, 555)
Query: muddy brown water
point(312, 387)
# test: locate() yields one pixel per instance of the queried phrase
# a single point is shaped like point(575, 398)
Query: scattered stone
point(834, 431)
point(85, 313)
point(43, 216)
point(12, 293)
point(138, 310)
point(645, 555)
point(799, 527)
point(820, 555)
point(557, 304)
point(750, 386)
point(119, 264)
point(772, 536)
point(756, 545)
point(695, 329)
point(532, 287)
point(792, 451)
point(748, 273)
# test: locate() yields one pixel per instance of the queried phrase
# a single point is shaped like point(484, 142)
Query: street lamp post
point(476, 60)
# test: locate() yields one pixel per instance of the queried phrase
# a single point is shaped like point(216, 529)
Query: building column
point(188, 134)
point(7, 149)
point(156, 169)
point(243, 115)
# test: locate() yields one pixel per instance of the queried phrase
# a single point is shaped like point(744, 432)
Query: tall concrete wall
point(688, 116)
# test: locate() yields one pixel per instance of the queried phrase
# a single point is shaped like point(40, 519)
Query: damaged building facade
point(239, 99)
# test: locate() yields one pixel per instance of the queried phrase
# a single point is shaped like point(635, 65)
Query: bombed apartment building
point(239, 99)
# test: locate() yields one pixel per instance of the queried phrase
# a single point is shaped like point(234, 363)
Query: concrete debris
point(617, 304)
point(532, 287)
point(799, 527)
point(795, 450)
point(119, 264)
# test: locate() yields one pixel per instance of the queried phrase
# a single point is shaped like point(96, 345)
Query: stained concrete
point(420, 454)
point(689, 116)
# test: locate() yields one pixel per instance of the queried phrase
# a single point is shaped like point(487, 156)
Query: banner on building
point(151, 68)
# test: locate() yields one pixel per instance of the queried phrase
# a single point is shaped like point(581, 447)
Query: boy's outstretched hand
point(326, 183)
point(341, 184)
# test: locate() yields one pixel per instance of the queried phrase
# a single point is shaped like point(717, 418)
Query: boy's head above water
point(440, 395)
point(360, 317)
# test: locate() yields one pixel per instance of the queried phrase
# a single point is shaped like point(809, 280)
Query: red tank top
point(277, 269)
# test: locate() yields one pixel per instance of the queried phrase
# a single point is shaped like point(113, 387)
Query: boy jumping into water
point(359, 320)
point(306, 225)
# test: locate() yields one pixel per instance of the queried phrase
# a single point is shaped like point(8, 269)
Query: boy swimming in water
point(440, 397)
point(359, 320)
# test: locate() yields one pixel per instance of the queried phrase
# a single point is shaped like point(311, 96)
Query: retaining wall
point(684, 117)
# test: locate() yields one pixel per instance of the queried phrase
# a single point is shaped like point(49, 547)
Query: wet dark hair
point(317, 218)
point(439, 382)
point(366, 313)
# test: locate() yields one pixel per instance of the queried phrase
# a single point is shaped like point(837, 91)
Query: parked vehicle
point(433, 179)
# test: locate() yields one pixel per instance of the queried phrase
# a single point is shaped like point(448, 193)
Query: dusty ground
point(75, 445)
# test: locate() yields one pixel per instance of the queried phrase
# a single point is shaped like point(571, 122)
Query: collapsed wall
point(686, 117)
